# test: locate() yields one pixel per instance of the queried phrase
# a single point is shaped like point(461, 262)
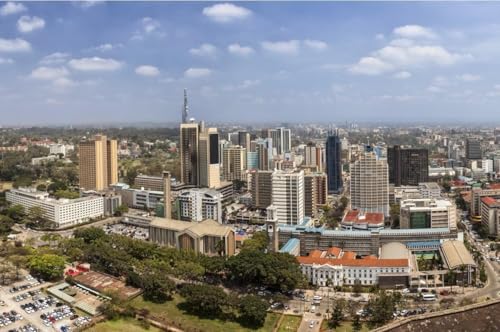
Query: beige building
point(149, 182)
point(288, 196)
point(315, 193)
point(370, 184)
point(207, 237)
point(98, 163)
point(428, 213)
point(261, 188)
point(208, 158)
point(234, 163)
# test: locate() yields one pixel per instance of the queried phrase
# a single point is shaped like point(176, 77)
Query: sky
point(248, 62)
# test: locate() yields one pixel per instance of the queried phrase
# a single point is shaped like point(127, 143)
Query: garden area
point(290, 323)
point(120, 325)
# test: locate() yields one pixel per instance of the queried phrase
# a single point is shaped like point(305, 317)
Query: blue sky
point(87, 62)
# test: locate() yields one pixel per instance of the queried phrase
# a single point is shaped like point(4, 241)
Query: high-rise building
point(209, 168)
point(234, 163)
point(428, 213)
point(313, 156)
point(244, 140)
point(185, 108)
point(407, 167)
point(282, 140)
point(189, 136)
point(264, 149)
point(370, 184)
point(334, 163)
point(288, 196)
point(473, 149)
point(252, 160)
point(261, 188)
point(315, 192)
point(98, 163)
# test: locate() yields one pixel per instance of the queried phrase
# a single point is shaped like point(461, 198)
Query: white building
point(43, 160)
point(63, 212)
point(60, 149)
point(429, 190)
point(199, 204)
point(370, 184)
point(428, 213)
point(148, 199)
point(288, 196)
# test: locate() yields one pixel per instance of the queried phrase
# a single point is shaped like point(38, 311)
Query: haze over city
point(106, 62)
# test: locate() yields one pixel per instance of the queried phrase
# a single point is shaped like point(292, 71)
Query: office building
point(244, 140)
point(428, 213)
point(149, 182)
point(208, 158)
point(282, 139)
point(355, 220)
point(261, 188)
point(315, 193)
point(473, 149)
point(288, 196)
point(62, 212)
point(252, 160)
point(199, 204)
point(313, 157)
point(98, 163)
point(490, 215)
point(334, 164)
point(264, 150)
point(429, 190)
point(407, 167)
point(207, 237)
point(234, 163)
point(189, 136)
point(370, 184)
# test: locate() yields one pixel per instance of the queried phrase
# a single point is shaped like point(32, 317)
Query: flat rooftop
point(103, 283)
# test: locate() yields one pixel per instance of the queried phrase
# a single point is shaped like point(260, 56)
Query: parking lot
point(25, 308)
point(135, 232)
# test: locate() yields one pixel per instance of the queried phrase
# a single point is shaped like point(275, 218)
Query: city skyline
point(74, 63)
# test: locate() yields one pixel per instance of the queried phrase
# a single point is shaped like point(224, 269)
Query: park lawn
point(171, 312)
point(290, 323)
point(121, 325)
point(344, 327)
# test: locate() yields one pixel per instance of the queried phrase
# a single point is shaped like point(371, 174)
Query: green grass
point(344, 327)
point(290, 323)
point(185, 321)
point(121, 325)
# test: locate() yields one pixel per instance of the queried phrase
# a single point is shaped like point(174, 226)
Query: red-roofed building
point(490, 214)
point(356, 220)
point(319, 268)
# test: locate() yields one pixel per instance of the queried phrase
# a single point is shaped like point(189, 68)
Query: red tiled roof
point(488, 200)
point(349, 255)
point(494, 186)
point(354, 262)
point(369, 217)
point(334, 251)
point(315, 253)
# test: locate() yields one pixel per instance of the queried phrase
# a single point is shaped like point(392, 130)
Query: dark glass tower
point(407, 167)
point(334, 163)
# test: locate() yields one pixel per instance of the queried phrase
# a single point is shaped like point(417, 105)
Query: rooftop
point(105, 283)
point(489, 201)
point(455, 254)
point(355, 216)
point(205, 227)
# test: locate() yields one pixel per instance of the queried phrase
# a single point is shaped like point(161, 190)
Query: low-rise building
point(428, 213)
point(490, 214)
point(207, 237)
point(198, 204)
point(63, 212)
point(429, 190)
point(358, 221)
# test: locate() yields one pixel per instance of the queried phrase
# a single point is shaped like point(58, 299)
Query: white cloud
point(6, 61)
point(52, 101)
point(435, 89)
point(205, 49)
point(317, 45)
point(105, 47)
point(243, 85)
point(149, 26)
point(64, 82)
point(237, 49)
point(290, 47)
point(95, 64)
point(469, 77)
point(414, 31)
point(226, 12)
point(146, 70)
point(12, 8)
point(379, 36)
point(14, 45)
point(89, 3)
point(49, 73)
point(27, 24)
point(197, 72)
point(370, 66)
point(402, 75)
point(55, 58)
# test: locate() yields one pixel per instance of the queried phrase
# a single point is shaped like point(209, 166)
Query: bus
point(429, 297)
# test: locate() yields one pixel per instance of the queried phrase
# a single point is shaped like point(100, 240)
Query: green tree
point(190, 270)
point(158, 287)
point(382, 307)
point(47, 266)
point(356, 324)
point(61, 193)
point(258, 242)
point(337, 315)
point(6, 224)
point(41, 187)
point(204, 300)
point(121, 210)
point(16, 212)
point(36, 213)
point(483, 277)
point(253, 311)
point(89, 234)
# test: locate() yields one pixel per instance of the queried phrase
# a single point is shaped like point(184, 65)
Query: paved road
point(306, 323)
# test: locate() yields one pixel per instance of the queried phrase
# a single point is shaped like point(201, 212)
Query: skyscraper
point(234, 163)
point(315, 192)
point(407, 167)
point(282, 140)
point(264, 149)
point(185, 108)
point(288, 196)
point(209, 168)
point(98, 163)
point(313, 156)
point(189, 135)
point(334, 163)
point(473, 149)
point(370, 184)
point(261, 188)
point(244, 140)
